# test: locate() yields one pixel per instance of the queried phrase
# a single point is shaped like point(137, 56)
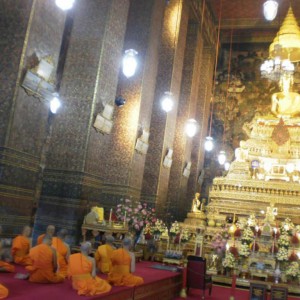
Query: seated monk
point(4, 265)
point(82, 271)
point(3, 292)
point(123, 265)
point(103, 255)
point(62, 251)
point(44, 263)
point(49, 231)
point(21, 246)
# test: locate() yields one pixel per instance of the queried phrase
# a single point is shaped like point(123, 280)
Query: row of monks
point(50, 261)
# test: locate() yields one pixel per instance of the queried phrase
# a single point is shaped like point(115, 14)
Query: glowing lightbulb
point(227, 166)
point(54, 105)
point(270, 9)
point(209, 143)
point(167, 102)
point(222, 157)
point(191, 127)
point(129, 63)
point(65, 4)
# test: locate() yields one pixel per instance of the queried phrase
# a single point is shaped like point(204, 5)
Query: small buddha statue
point(196, 203)
point(271, 213)
point(94, 216)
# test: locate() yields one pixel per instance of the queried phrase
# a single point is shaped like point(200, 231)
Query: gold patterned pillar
point(31, 30)
point(189, 95)
point(90, 77)
point(202, 116)
point(117, 160)
point(162, 130)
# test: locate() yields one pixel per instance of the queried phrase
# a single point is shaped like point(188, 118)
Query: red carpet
point(222, 293)
point(22, 289)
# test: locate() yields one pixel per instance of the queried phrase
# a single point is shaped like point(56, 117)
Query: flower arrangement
point(136, 214)
point(244, 250)
point(229, 261)
point(252, 222)
point(293, 270)
point(175, 229)
point(185, 235)
point(219, 241)
point(287, 226)
point(284, 241)
point(283, 254)
point(247, 236)
point(159, 227)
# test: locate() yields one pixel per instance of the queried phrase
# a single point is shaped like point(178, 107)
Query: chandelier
point(275, 69)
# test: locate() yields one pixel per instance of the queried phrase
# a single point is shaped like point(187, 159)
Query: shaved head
point(86, 247)
point(50, 230)
point(26, 231)
point(127, 242)
point(109, 239)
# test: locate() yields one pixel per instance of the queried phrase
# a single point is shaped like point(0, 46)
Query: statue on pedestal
point(196, 207)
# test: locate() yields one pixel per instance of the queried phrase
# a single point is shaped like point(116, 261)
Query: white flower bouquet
point(228, 261)
point(283, 254)
point(284, 241)
point(175, 229)
point(293, 269)
point(185, 235)
point(247, 236)
point(244, 250)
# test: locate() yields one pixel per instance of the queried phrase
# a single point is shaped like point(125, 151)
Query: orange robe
point(120, 274)
point(20, 250)
point(62, 252)
point(40, 239)
point(80, 269)
point(103, 258)
point(42, 269)
point(3, 292)
point(7, 267)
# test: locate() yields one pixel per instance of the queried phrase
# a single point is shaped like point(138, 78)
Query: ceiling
point(245, 18)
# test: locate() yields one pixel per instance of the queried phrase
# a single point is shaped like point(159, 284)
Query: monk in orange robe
point(103, 255)
point(123, 265)
point(44, 263)
point(3, 292)
point(62, 250)
point(21, 246)
point(82, 271)
point(4, 265)
point(50, 231)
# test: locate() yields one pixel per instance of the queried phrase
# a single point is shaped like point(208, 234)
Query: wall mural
point(248, 95)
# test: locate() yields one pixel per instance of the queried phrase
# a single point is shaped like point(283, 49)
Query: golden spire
point(286, 44)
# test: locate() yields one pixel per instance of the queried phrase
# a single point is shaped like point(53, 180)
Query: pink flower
point(129, 210)
point(141, 223)
point(153, 209)
point(136, 226)
point(140, 206)
point(145, 204)
point(127, 200)
point(118, 210)
point(119, 205)
point(144, 212)
point(154, 220)
point(136, 210)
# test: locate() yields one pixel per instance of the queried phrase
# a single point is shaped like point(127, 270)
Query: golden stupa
point(266, 169)
point(286, 44)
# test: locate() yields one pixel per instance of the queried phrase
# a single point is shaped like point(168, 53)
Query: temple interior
point(168, 129)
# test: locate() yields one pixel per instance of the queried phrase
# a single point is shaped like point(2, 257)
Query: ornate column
point(31, 30)
point(89, 78)
point(189, 95)
point(202, 116)
point(115, 155)
point(162, 130)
